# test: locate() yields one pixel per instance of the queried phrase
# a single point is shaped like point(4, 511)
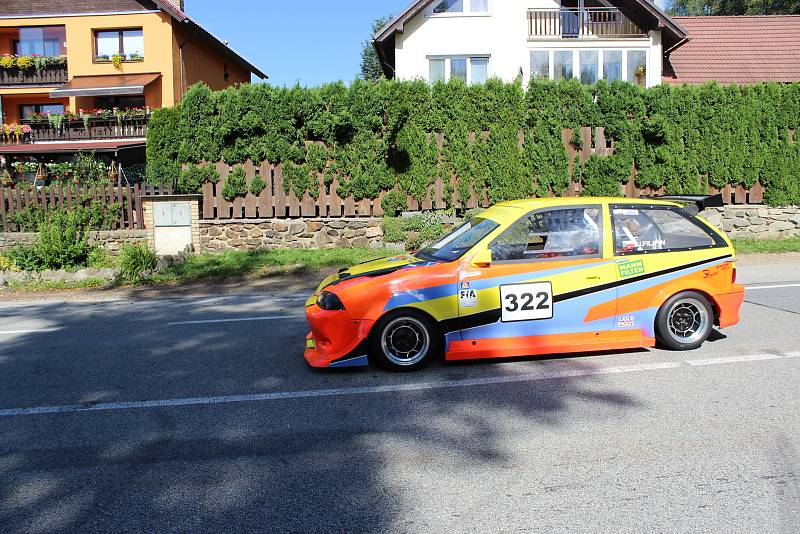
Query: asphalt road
point(152, 415)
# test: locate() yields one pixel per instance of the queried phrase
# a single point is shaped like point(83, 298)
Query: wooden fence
point(274, 202)
point(17, 199)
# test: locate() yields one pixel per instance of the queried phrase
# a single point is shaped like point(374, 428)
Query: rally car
point(533, 277)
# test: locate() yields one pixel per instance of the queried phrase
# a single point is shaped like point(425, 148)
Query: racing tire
point(405, 340)
point(685, 321)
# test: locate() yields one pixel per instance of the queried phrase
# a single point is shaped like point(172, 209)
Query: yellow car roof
point(533, 203)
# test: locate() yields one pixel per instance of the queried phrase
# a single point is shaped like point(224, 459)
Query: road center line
point(553, 374)
point(781, 286)
point(239, 320)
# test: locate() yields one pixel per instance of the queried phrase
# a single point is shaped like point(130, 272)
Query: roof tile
point(741, 49)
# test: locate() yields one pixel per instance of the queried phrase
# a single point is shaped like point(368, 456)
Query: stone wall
point(760, 222)
point(282, 233)
point(111, 240)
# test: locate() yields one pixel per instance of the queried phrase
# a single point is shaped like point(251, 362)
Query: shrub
point(235, 184)
point(6, 264)
point(96, 215)
point(162, 146)
point(414, 231)
point(257, 184)
point(63, 241)
point(98, 258)
point(134, 260)
point(192, 178)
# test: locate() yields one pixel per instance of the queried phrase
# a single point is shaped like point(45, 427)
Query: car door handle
point(593, 278)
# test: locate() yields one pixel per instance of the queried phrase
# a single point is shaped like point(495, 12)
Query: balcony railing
point(78, 130)
point(573, 23)
point(48, 75)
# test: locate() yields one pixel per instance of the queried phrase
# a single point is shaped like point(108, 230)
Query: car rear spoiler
point(693, 204)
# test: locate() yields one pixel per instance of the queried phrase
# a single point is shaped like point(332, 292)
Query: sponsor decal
point(626, 321)
point(630, 268)
point(467, 297)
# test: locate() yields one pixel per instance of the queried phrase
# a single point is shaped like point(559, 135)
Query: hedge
point(404, 135)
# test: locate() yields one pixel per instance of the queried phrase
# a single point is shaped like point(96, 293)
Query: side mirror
point(482, 259)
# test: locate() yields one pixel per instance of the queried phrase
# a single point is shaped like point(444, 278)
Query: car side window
point(555, 233)
point(655, 230)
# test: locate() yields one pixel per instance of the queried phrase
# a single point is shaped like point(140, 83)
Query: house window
point(472, 70)
point(461, 6)
point(637, 67)
point(449, 6)
point(588, 65)
point(26, 110)
point(479, 67)
point(120, 102)
point(612, 65)
point(562, 65)
point(436, 70)
point(41, 41)
point(540, 64)
point(129, 43)
point(458, 68)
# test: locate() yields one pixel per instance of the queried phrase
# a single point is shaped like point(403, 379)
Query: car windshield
point(459, 241)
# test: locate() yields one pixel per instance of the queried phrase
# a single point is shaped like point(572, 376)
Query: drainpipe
point(180, 61)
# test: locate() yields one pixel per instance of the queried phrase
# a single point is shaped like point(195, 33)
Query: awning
point(108, 85)
point(73, 147)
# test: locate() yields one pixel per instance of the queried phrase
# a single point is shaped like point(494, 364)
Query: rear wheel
point(404, 341)
point(685, 321)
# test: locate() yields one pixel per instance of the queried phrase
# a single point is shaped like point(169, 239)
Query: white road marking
point(240, 320)
point(15, 332)
point(553, 374)
point(781, 286)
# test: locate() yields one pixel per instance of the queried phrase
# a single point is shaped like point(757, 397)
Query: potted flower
point(117, 60)
point(6, 180)
point(640, 73)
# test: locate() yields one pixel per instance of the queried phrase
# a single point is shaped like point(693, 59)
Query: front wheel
point(404, 341)
point(685, 321)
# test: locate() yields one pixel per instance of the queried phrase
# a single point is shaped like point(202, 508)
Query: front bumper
point(335, 340)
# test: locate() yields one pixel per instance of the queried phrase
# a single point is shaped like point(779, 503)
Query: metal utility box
point(172, 214)
point(173, 222)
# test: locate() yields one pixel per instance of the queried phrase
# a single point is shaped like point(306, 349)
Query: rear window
point(656, 229)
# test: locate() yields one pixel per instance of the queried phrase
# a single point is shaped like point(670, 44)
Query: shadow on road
point(297, 465)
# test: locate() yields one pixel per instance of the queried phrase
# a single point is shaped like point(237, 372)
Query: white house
point(478, 39)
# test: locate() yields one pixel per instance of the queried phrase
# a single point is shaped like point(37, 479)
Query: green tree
point(371, 69)
point(734, 7)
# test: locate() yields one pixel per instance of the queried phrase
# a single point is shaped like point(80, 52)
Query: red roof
point(742, 49)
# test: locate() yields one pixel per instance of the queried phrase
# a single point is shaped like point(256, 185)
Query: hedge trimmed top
point(379, 136)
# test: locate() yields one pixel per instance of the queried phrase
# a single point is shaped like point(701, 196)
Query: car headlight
point(329, 301)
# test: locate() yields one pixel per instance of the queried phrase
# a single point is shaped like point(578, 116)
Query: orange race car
point(534, 277)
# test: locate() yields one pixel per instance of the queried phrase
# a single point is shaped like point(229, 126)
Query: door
point(549, 285)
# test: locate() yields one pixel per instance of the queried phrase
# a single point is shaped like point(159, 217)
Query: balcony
point(588, 23)
point(90, 129)
point(43, 76)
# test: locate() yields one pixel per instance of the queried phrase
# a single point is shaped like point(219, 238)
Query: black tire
point(404, 340)
point(685, 321)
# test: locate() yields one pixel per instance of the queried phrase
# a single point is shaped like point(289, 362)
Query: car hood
point(371, 269)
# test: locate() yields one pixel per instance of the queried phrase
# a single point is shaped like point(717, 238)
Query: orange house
point(84, 74)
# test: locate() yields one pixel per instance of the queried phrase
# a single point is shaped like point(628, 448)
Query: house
point(742, 49)
point(84, 75)
point(477, 39)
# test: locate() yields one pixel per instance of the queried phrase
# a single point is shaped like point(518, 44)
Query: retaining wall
point(282, 233)
point(760, 222)
point(111, 240)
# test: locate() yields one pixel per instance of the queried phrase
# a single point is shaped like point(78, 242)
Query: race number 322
point(527, 302)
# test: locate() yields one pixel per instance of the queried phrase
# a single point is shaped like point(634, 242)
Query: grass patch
point(769, 246)
point(258, 263)
point(38, 285)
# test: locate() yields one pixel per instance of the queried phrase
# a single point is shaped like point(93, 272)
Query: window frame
point(601, 230)
point(716, 238)
point(576, 64)
point(38, 109)
point(466, 12)
point(448, 66)
point(121, 36)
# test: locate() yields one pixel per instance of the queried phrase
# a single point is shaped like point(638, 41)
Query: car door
point(547, 275)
